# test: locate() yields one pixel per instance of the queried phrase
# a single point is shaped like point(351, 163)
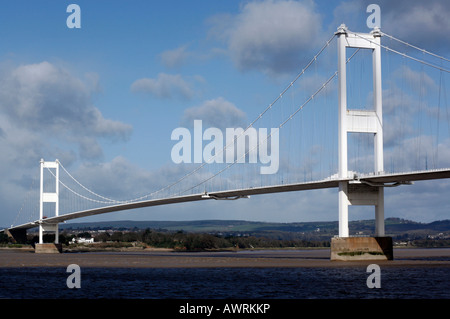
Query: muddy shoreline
point(416, 257)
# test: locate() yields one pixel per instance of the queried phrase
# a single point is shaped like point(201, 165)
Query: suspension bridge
point(336, 137)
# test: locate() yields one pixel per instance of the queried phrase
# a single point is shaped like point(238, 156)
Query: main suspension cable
point(108, 200)
point(415, 47)
point(402, 54)
point(278, 128)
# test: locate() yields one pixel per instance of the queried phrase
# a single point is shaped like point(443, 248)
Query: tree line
point(202, 241)
point(189, 241)
point(179, 240)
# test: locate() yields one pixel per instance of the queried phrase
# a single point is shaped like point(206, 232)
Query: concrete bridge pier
point(19, 236)
point(361, 248)
point(48, 248)
point(378, 247)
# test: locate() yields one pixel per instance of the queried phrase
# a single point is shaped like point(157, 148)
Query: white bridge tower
point(353, 192)
point(48, 197)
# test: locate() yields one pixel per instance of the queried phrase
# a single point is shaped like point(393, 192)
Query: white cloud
point(408, 105)
point(89, 148)
point(417, 22)
point(120, 179)
point(47, 99)
point(218, 113)
point(47, 112)
point(419, 81)
point(425, 201)
point(176, 57)
point(270, 36)
point(164, 86)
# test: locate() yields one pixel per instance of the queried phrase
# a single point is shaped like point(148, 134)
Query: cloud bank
point(48, 103)
point(270, 36)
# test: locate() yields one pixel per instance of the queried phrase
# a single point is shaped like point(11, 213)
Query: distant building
point(82, 240)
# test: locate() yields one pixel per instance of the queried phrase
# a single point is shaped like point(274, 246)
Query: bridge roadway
point(386, 180)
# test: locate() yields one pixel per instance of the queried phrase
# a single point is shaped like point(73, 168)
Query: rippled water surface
point(219, 283)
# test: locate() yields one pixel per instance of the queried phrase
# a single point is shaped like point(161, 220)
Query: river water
point(224, 283)
point(170, 284)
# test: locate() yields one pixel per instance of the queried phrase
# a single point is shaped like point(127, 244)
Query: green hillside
point(393, 226)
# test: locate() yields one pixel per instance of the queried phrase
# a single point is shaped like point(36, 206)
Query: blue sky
point(105, 98)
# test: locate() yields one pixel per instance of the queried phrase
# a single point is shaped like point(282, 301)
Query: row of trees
point(201, 241)
point(182, 240)
point(431, 243)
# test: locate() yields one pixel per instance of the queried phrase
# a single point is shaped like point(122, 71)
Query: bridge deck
point(327, 183)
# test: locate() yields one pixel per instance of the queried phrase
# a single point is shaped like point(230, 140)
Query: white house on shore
point(82, 240)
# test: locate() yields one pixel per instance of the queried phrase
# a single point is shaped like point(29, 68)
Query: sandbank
point(416, 257)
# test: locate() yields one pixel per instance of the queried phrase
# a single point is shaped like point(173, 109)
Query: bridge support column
point(352, 192)
point(343, 209)
point(18, 235)
point(379, 214)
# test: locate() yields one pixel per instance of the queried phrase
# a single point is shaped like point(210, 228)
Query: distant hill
point(393, 226)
